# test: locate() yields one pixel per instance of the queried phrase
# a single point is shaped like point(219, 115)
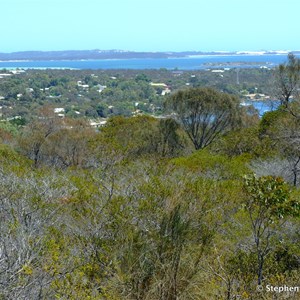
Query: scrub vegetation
point(186, 195)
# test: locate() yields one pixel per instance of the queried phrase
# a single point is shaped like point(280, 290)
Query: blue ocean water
point(264, 106)
point(188, 63)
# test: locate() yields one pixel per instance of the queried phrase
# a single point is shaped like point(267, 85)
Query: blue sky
point(150, 25)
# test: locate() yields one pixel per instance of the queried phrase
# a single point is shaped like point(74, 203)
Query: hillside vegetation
point(197, 199)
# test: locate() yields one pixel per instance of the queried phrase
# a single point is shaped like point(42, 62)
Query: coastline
point(188, 63)
point(192, 56)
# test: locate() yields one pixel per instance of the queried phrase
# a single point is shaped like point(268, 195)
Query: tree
point(204, 113)
point(139, 136)
point(36, 134)
point(288, 78)
point(268, 202)
point(281, 128)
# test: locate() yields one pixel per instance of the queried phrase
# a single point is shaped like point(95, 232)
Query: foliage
point(115, 92)
point(214, 165)
point(271, 196)
point(268, 202)
point(288, 79)
point(131, 210)
point(141, 135)
point(204, 113)
point(281, 130)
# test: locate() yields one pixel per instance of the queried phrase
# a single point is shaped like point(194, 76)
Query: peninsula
point(120, 54)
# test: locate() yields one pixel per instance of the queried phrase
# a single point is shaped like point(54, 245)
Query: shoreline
point(147, 58)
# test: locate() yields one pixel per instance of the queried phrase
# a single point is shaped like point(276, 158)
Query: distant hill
point(116, 54)
point(90, 54)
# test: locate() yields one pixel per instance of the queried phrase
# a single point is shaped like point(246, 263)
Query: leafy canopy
point(204, 113)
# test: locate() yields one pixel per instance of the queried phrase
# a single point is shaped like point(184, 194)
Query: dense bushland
point(133, 211)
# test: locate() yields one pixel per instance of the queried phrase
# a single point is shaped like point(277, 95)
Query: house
point(5, 75)
point(158, 84)
point(165, 88)
point(84, 86)
point(17, 71)
point(98, 123)
point(165, 92)
point(177, 73)
point(217, 71)
point(101, 87)
point(60, 111)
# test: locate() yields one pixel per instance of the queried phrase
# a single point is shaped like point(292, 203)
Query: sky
point(149, 25)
